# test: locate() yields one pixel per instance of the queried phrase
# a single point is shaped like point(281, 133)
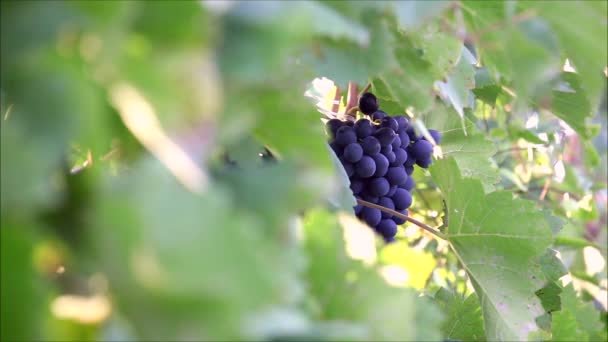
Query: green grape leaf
point(497, 251)
point(412, 83)
point(457, 88)
point(472, 151)
point(570, 103)
point(463, 316)
point(532, 63)
point(577, 320)
point(582, 38)
point(412, 14)
point(439, 45)
point(486, 89)
point(343, 61)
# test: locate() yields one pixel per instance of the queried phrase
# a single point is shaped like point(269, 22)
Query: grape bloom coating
point(378, 154)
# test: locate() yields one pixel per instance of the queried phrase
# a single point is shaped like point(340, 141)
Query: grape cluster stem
point(404, 217)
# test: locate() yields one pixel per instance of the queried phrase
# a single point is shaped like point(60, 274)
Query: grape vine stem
point(403, 217)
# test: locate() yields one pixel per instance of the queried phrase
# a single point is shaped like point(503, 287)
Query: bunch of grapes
point(378, 154)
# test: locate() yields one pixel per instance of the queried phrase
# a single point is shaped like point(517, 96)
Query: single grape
point(409, 184)
point(332, 126)
point(421, 150)
point(400, 156)
point(379, 115)
point(366, 196)
point(386, 149)
point(411, 132)
point(409, 169)
point(402, 121)
point(348, 167)
point(387, 228)
point(353, 152)
point(336, 148)
point(389, 240)
point(425, 163)
point(371, 146)
point(363, 128)
point(378, 186)
point(399, 221)
point(402, 199)
point(410, 161)
point(365, 167)
point(387, 203)
point(396, 143)
point(390, 156)
point(396, 175)
point(405, 139)
point(385, 136)
point(358, 209)
point(368, 103)
point(381, 165)
point(390, 123)
point(391, 191)
point(356, 185)
point(371, 216)
point(345, 135)
point(436, 135)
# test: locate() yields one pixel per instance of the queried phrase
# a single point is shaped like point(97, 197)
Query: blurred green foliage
point(122, 217)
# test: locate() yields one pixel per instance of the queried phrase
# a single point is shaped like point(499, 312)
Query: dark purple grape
point(400, 156)
point(365, 167)
point(371, 216)
point(405, 139)
point(386, 149)
point(385, 136)
point(378, 186)
point(336, 148)
point(348, 167)
point(332, 126)
point(387, 203)
point(411, 133)
point(368, 103)
point(358, 209)
point(390, 123)
point(353, 152)
point(381, 165)
point(425, 163)
point(379, 115)
point(396, 175)
point(356, 185)
point(345, 135)
point(387, 228)
point(409, 184)
point(402, 199)
point(409, 169)
point(366, 196)
point(399, 221)
point(396, 143)
point(410, 161)
point(371, 146)
point(390, 156)
point(436, 135)
point(391, 191)
point(402, 121)
point(421, 150)
point(363, 128)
